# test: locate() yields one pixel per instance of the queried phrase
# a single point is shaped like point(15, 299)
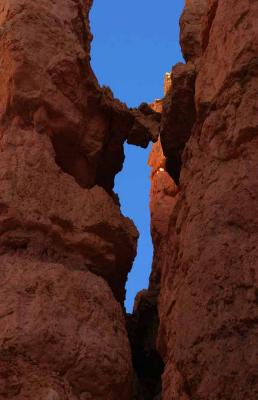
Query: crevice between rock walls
point(66, 249)
point(202, 299)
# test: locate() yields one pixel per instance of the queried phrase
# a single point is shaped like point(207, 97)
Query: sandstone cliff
point(205, 234)
point(66, 249)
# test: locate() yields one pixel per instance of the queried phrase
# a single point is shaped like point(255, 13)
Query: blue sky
point(135, 43)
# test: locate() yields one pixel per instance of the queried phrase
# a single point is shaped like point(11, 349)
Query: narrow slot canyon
point(132, 62)
point(71, 117)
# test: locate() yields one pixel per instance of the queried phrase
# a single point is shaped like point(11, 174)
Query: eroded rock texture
point(65, 247)
point(62, 334)
point(206, 252)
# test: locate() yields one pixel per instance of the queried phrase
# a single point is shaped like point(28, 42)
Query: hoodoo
point(66, 249)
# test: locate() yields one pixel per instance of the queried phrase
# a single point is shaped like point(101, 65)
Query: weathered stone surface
point(45, 54)
point(45, 212)
point(208, 257)
point(62, 330)
point(65, 248)
point(191, 32)
point(62, 334)
point(178, 116)
point(52, 109)
point(163, 193)
point(149, 118)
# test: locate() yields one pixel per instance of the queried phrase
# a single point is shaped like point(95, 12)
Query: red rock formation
point(178, 116)
point(62, 334)
point(54, 89)
point(62, 330)
point(207, 255)
point(65, 248)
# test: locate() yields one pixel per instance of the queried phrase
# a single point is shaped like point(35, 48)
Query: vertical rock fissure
point(65, 247)
point(143, 323)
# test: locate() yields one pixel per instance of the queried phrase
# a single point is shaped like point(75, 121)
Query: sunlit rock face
point(66, 249)
point(206, 240)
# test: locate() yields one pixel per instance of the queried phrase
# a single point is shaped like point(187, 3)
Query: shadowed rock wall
point(206, 255)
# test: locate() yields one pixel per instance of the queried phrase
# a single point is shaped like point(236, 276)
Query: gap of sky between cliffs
point(135, 43)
